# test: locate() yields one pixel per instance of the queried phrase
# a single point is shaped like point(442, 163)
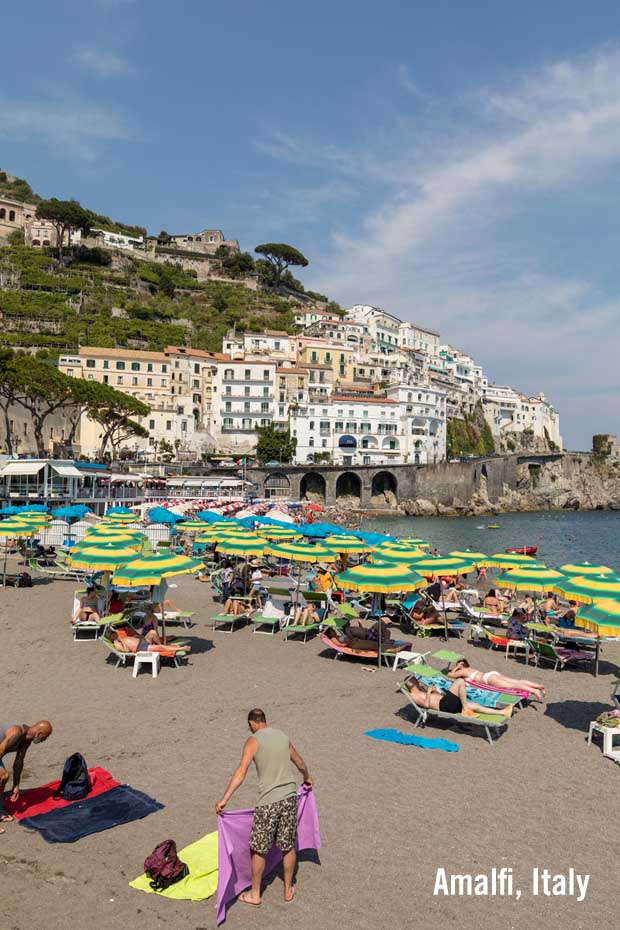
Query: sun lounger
point(123, 657)
point(297, 629)
point(56, 571)
point(225, 623)
point(427, 673)
point(490, 723)
point(497, 641)
point(388, 650)
point(558, 656)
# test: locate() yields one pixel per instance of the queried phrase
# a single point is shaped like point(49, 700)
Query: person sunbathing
point(493, 602)
point(235, 606)
point(307, 615)
point(453, 701)
point(133, 643)
point(88, 607)
point(463, 670)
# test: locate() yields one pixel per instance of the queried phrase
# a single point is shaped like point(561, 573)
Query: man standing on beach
point(275, 817)
point(17, 738)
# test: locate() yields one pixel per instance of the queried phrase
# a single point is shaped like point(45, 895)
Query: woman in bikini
point(453, 701)
point(462, 670)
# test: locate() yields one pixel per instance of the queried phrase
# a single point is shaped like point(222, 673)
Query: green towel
point(201, 859)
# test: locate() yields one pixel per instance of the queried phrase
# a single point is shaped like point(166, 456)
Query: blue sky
point(455, 163)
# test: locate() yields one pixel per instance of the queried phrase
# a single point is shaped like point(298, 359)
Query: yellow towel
point(201, 859)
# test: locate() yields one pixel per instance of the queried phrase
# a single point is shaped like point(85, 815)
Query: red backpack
point(164, 867)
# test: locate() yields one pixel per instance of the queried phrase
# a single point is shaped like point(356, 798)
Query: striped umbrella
point(101, 558)
point(414, 541)
point(121, 518)
point(193, 526)
point(278, 532)
point(35, 518)
point(507, 560)
point(586, 590)
point(402, 556)
point(602, 617)
point(469, 555)
point(113, 543)
point(380, 578)
point(584, 569)
point(444, 565)
point(300, 552)
point(12, 528)
point(242, 547)
point(348, 544)
point(109, 529)
point(149, 570)
point(529, 579)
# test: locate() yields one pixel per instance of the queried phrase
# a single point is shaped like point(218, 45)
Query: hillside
point(101, 298)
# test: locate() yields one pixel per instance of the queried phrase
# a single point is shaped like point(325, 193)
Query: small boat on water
point(523, 550)
point(492, 526)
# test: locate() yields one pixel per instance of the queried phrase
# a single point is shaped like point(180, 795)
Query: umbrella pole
point(6, 552)
point(380, 621)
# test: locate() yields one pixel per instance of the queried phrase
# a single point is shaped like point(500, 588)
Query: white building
point(414, 336)
point(243, 399)
point(382, 327)
point(512, 415)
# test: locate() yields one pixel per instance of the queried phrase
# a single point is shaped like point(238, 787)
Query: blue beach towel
point(475, 695)
point(395, 736)
point(92, 815)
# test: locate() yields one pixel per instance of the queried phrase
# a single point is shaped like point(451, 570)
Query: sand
point(391, 815)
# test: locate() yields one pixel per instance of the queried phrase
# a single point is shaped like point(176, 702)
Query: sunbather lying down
point(149, 643)
point(463, 670)
point(453, 701)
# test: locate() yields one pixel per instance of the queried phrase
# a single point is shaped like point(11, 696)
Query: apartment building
point(244, 393)
point(511, 414)
point(382, 327)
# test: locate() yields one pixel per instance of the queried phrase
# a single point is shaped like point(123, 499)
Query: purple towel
point(233, 838)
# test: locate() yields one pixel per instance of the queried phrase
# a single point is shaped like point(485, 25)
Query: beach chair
point(320, 603)
point(56, 571)
point(122, 658)
point(429, 675)
point(478, 614)
point(497, 641)
point(490, 723)
point(226, 623)
point(388, 651)
point(558, 656)
point(272, 617)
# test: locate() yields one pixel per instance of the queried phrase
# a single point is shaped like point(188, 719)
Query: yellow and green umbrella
point(192, 526)
point(148, 570)
point(507, 560)
point(300, 552)
point(469, 555)
point(348, 544)
point(601, 617)
point(380, 578)
point(109, 529)
point(584, 569)
point(36, 519)
point(101, 558)
point(17, 528)
point(397, 553)
point(444, 565)
point(535, 579)
point(414, 541)
point(276, 533)
point(121, 518)
point(113, 543)
point(588, 589)
point(243, 548)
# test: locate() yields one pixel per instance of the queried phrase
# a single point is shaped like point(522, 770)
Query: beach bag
point(164, 867)
point(75, 783)
point(24, 580)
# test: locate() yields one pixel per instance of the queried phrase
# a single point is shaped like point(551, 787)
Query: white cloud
point(102, 63)
point(75, 126)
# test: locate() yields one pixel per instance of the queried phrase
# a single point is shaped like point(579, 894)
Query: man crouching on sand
point(275, 817)
point(17, 738)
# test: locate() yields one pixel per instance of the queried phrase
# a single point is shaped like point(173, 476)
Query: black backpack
point(75, 783)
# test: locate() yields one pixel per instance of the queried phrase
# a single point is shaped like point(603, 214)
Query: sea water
point(561, 536)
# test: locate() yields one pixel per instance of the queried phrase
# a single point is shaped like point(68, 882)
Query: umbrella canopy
point(602, 617)
point(119, 510)
point(469, 555)
point(243, 547)
point(121, 518)
point(320, 530)
point(103, 558)
point(193, 526)
point(209, 516)
point(347, 544)
point(414, 541)
point(118, 539)
point(507, 560)
point(163, 515)
point(444, 565)
point(34, 519)
point(406, 556)
point(150, 569)
point(33, 508)
point(300, 552)
point(584, 569)
point(75, 512)
point(278, 532)
point(588, 589)
point(380, 578)
point(529, 579)
point(373, 538)
point(9, 511)
point(109, 529)
point(17, 528)
point(110, 544)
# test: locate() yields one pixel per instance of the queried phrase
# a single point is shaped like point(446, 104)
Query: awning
point(66, 471)
point(22, 468)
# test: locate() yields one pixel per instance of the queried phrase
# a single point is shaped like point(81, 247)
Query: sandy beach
point(391, 815)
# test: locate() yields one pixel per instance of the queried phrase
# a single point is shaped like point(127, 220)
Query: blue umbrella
point(75, 512)
point(163, 515)
point(373, 538)
point(249, 522)
point(321, 530)
point(210, 517)
point(39, 508)
point(9, 511)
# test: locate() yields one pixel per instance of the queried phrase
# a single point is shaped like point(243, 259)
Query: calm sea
point(567, 536)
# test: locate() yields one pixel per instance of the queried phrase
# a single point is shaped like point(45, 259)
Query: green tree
point(281, 256)
point(235, 264)
point(38, 386)
point(115, 412)
point(16, 237)
point(65, 216)
point(275, 445)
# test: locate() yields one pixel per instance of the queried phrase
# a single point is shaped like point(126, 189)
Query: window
point(149, 382)
point(228, 407)
point(266, 375)
point(311, 441)
point(246, 392)
point(227, 422)
point(227, 390)
point(149, 366)
point(313, 357)
point(105, 379)
point(276, 344)
point(106, 363)
point(324, 426)
point(11, 216)
point(135, 366)
point(339, 426)
point(324, 443)
point(265, 422)
point(264, 407)
point(176, 364)
point(351, 426)
point(151, 424)
point(281, 410)
point(70, 372)
point(196, 369)
point(119, 379)
point(265, 392)
point(168, 425)
point(90, 362)
point(134, 381)
point(328, 356)
point(247, 374)
point(164, 369)
point(246, 423)
point(120, 366)
point(2, 214)
point(247, 406)
point(365, 460)
point(164, 382)
point(183, 426)
point(91, 377)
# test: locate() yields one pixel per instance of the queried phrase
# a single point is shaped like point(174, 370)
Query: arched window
point(11, 216)
point(2, 213)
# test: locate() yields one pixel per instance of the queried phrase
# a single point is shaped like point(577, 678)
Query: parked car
point(273, 464)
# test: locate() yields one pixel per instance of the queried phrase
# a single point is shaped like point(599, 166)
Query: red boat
point(523, 550)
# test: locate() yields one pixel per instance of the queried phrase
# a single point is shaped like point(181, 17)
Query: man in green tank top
point(275, 817)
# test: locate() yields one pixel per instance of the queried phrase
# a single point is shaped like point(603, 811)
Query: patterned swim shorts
point(274, 823)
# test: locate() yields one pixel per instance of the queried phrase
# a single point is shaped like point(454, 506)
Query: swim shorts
point(274, 823)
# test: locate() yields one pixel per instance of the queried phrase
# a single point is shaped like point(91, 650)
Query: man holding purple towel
point(275, 816)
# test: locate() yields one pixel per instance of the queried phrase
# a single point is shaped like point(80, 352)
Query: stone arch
point(2, 213)
point(384, 489)
point(277, 485)
point(312, 487)
point(349, 485)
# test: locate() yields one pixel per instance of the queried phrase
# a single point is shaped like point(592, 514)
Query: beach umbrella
point(403, 554)
point(192, 526)
point(9, 511)
point(300, 552)
point(346, 546)
point(12, 528)
point(374, 539)
point(243, 547)
point(121, 518)
point(101, 558)
point(36, 519)
point(584, 569)
point(601, 617)
point(587, 589)
point(469, 555)
point(110, 528)
point(278, 532)
point(507, 560)
point(33, 508)
point(163, 515)
point(380, 578)
point(120, 542)
point(143, 571)
point(74, 512)
point(123, 511)
point(444, 565)
point(535, 579)
point(414, 541)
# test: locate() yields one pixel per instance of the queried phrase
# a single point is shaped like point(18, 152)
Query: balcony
point(252, 397)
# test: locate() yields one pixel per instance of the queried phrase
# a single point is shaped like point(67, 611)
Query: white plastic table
point(146, 658)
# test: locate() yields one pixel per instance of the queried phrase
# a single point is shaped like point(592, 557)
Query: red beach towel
point(41, 800)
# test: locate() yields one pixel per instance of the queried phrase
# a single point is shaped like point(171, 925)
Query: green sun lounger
point(225, 623)
point(123, 657)
point(293, 629)
point(490, 723)
point(427, 671)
